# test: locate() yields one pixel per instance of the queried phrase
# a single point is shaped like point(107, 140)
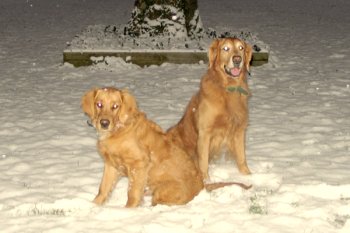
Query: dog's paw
point(99, 200)
point(244, 170)
point(206, 178)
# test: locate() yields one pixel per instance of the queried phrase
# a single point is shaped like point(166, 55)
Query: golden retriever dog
point(216, 118)
point(133, 146)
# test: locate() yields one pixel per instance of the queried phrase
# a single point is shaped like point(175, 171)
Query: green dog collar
point(238, 89)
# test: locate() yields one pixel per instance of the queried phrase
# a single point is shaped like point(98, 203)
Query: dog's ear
point(128, 107)
point(248, 56)
point(213, 52)
point(88, 102)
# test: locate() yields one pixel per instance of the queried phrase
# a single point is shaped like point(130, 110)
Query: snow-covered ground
point(298, 139)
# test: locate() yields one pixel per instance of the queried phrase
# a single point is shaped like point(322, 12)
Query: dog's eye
point(99, 105)
point(115, 106)
point(226, 48)
point(241, 47)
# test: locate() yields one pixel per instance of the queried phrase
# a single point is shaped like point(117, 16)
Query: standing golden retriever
point(133, 146)
point(217, 116)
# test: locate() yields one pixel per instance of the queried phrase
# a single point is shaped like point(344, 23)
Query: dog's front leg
point(239, 150)
point(137, 184)
point(203, 153)
point(110, 175)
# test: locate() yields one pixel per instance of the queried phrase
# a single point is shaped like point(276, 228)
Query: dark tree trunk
point(177, 18)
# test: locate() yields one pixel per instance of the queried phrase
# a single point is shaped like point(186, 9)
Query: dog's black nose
point(237, 59)
point(104, 123)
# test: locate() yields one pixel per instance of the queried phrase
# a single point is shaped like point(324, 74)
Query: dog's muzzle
point(234, 71)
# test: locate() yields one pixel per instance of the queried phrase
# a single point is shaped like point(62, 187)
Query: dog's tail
point(213, 186)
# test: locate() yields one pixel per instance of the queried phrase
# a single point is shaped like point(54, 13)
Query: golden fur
point(217, 116)
point(133, 146)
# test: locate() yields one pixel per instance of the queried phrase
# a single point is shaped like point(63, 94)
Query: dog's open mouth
point(234, 71)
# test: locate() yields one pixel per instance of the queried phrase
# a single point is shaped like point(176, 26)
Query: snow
point(298, 139)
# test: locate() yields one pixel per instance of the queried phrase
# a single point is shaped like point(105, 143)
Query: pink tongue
point(235, 71)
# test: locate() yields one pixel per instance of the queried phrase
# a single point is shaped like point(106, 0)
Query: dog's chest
point(235, 107)
point(113, 152)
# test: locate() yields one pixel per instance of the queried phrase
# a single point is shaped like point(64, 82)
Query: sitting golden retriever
point(217, 116)
point(133, 146)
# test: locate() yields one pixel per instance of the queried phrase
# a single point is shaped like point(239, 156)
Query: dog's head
point(230, 55)
point(109, 108)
